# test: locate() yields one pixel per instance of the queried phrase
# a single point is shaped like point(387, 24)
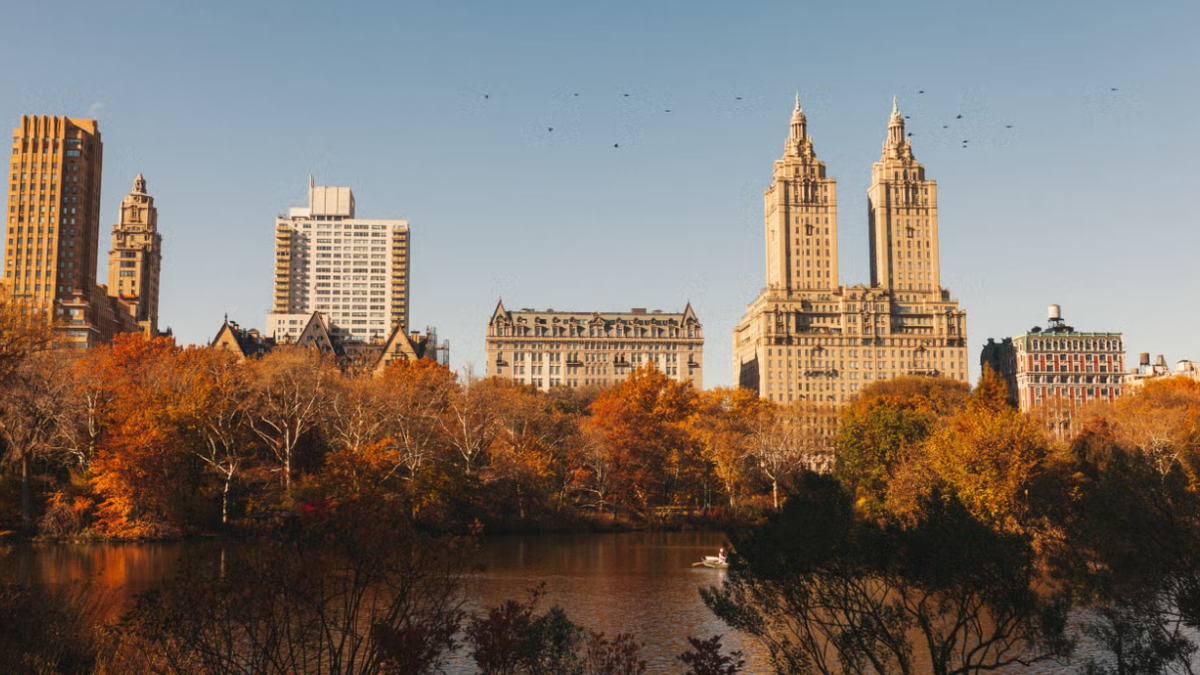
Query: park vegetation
point(937, 530)
point(145, 439)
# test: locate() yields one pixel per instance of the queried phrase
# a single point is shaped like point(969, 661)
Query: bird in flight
point(958, 117)
point(616, 145)
point(945, 126)
point(1114, 88)
point(549, 128)
point(921, 91)
point(626, 95)
point(668, 111)
point(740, 98)
point(1007, 126)
point(485, 95)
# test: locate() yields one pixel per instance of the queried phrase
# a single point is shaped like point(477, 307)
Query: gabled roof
point(316, 334)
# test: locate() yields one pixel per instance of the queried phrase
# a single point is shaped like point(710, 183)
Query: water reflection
point(643, 583)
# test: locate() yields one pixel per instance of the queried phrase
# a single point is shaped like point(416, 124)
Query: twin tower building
point(806, 336)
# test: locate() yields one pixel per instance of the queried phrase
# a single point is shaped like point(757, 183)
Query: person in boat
point(721, 556)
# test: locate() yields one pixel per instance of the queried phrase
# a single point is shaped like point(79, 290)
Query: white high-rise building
point(352, 270)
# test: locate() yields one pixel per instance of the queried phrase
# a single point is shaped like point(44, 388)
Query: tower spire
point(896, 144)
point(798, 142)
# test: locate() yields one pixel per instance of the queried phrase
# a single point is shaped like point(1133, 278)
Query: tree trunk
point(26, 499)
point(225, 501)
point(775, 492)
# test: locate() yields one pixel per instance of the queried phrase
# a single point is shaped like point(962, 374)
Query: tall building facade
point(572, 349)
point(1057, 369)
point(53, 229)
point(353, 270)
point(135, 260)
point(808, 338)
point(54, 220)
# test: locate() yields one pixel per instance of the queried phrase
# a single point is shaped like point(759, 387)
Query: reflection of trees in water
point(829, 593)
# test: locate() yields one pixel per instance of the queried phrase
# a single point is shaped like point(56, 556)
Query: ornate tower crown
point(139, 185)
point(798, 143)
point(897, 146)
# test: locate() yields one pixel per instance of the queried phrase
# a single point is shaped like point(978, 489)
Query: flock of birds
point(959, 116)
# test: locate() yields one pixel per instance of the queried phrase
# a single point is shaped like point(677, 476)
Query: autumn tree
point(651, 454)
point(23, 331)
point(989, 457)
point(290, 386)
point(418, 394)
point(471, 421)
point(882, 428)
point(34, 416)
point(215, 406)
point(143, 475)
point(785, 440)
point(534, 438)
point(724, 423)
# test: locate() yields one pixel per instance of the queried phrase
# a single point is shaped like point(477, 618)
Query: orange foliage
point(140, 474)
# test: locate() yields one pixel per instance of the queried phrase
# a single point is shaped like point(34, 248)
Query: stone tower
point(801, 216)
point(136, 257)
point(808, 338)
point(903, 217)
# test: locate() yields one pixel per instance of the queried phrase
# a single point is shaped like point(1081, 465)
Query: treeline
point(142, 438)
point(956, 537)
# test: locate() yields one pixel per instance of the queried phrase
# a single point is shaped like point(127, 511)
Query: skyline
point(200, 105)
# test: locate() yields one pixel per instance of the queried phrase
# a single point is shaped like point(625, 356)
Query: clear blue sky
point(227, 107)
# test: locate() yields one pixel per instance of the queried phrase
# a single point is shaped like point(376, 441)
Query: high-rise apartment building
point(352, 270)
point(550, 349)
point(1057, 369)
point(135, 260)
point(53, 211)
point(808, 338)
point(54, 232)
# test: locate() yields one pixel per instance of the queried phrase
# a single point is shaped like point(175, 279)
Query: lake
point(642, 583)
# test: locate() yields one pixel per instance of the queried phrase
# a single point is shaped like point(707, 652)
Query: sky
point(439, 113)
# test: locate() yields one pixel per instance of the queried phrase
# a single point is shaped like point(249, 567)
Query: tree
point(706, 658)
point(216, 395)
point(33, 416)
point(828, 592)
point(786, 440)
point(471, 421)
point(291, 384)
point(881, 429)
point(23, 331)
point(144, 473)
point(724, 423)
point(354, 591)
point(652, 457)
point(418, 395)
point(989, 457)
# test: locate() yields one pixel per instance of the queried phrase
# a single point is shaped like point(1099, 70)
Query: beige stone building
point(808, 338)
point(135, 261)
point(353, 270)
point(53, 230)
point(1145, 372)
point(572, 349)
point(1055, 370)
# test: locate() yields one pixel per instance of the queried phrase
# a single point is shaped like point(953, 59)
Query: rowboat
point(714, 562)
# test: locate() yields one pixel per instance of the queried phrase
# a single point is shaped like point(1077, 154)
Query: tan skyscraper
point(136, 257)
point(54, 221)
point(808, 338)
point(352, 270)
